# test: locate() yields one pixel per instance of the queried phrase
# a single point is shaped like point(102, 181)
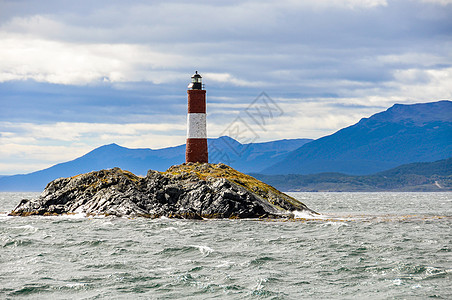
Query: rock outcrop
point(192, 191)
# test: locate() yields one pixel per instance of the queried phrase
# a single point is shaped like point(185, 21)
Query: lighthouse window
point(196, 79)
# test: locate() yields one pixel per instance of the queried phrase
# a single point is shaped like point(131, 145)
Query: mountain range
point(244, 157)
point(400, 135)
point(415, 177)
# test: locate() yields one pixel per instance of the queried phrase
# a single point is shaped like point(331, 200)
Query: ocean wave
point(205, 250)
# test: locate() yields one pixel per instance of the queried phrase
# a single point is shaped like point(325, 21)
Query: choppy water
point(373, 245)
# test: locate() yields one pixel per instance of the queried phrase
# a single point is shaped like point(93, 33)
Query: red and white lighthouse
point(196, 149)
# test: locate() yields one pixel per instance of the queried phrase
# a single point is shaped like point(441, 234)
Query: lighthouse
point(196, 149)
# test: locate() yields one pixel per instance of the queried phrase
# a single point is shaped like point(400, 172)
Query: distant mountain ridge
point(243, 157)
point(415, 177)
point(400, 135)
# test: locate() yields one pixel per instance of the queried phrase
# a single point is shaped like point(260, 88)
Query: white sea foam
point(397, 281)
point(4, 215)
point(75, 216)
point(321, 217)
point(107, 223)
point(27, 228)
point(205, 250)
point(225, 263)
point(334, 223)
point(306, 215)
point(170, 229)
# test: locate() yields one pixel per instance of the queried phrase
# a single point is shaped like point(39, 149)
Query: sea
point(361, 246)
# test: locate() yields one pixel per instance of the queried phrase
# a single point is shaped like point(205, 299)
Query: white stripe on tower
point(196, 128)
point(196, 147)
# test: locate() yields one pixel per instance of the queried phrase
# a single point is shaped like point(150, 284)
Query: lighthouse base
point(196, 151)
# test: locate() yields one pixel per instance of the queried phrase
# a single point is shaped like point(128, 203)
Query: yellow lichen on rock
point(187, 191)
point(205, 171)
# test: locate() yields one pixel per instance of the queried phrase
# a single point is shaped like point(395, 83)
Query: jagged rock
point(192, 191)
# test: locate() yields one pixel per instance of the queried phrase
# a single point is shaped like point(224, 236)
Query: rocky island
point(189, 191)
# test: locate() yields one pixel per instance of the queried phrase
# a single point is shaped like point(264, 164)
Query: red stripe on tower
point(196, 149)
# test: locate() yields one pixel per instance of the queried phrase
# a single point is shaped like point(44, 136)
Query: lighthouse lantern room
point(196, 82)
point(196, 149)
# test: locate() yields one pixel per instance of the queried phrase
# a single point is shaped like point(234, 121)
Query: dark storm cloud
point(29, 101)
point(255, 41)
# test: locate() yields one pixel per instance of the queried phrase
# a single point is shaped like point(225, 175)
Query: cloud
point(75, 75)
point(76, 132)
point(68, 63)
point(425, 84)
point(442, 2)
point(241, 43)
point(27, 147)
point(228, 78)
point(351, 4)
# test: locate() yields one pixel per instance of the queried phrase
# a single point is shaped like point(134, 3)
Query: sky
point(75, 75)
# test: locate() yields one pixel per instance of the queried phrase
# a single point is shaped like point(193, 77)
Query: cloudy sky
point(75, 75)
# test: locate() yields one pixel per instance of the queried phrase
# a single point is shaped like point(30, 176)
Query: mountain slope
point(420, 177)
point(400, 135)
point(246, 158)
